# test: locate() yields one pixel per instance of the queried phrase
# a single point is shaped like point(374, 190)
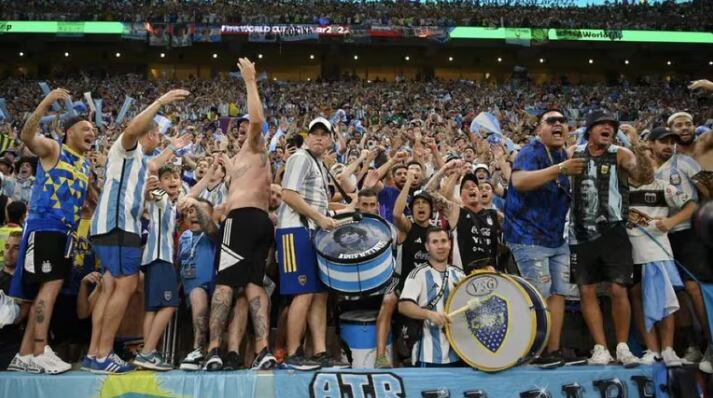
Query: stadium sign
point(286, 30)
point(61, 27)
point(611, 35)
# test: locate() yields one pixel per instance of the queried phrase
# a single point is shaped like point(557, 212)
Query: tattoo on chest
point(240, 171)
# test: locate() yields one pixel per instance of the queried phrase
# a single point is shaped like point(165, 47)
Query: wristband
point(562, 168)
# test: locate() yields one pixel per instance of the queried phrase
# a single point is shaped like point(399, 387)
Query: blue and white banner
point(207, 34)
point(124, 109)
point(134, 31)
point(163, 122)
point(4, 114)
point(522, 382)
point(98, 116)
point(46, 90)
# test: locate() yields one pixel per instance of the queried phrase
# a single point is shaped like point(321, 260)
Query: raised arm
point(168, 153)
point(255, 139)
point(402, 222)
point(142, 122)
point(43, 147)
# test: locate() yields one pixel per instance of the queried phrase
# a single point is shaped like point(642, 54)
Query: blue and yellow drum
point(506, 324)
point(355, 258)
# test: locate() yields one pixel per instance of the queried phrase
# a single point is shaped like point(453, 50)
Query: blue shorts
point(195, 283)
point(297, 262)
point(160, 286)
point(546, 268)
point(119, 260)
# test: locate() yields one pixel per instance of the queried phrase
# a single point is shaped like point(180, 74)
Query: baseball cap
point(243, 118)
point(600, 116)
point(468, 177)
point(68, 123)
point(660, 133)
point(481, 166)
point(320, 122)
point(423, 195)
point(676, 115)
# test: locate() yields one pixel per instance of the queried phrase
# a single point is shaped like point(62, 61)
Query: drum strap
point(432, 304)
point(346, 197)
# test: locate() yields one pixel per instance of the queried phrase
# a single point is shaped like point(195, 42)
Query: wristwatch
point(562, 168)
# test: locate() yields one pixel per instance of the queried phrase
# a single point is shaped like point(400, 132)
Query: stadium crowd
point(115, 218)
point(669, 15)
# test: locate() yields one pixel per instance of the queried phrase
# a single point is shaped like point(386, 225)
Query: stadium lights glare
point(626, 62)
point(668, 63)
point(356, 57)
point(591, 61)
point(274, 79)
point(163, 55)
point(311, 56)
point(542, 60)
point(450, 59)
point(407, 58)
point(118, 55)
point(22, 54)
point(710, 62)
point(215, 55)
point(500, 59)
point(66, 54)
point(259, 56)
point(309, 79)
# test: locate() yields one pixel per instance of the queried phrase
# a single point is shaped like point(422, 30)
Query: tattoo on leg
point(40, 312)
point(199, 328)
point(220, 308)
point(258, 319)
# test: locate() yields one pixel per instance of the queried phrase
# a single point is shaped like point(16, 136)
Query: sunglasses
point(554, 119)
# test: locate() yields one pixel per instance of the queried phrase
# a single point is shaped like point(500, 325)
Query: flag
point(46, 90)
point(4, 112)
point(124, 108)
point(163, 122)
point(5, 142)
point(275, 139)
point(486, 121)
point(98, 116)
point(90, 101)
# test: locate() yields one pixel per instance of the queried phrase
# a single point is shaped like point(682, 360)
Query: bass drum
point(355, 257)
point(506, 324)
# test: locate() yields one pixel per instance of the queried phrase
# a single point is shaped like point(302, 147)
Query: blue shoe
point(86, 363)
point(113, 364)
point(152, 361)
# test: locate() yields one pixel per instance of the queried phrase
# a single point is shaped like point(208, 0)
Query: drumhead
point(544, 322)
point(355, 242)
point(499, 332)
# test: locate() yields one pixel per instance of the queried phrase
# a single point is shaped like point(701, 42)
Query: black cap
point(660, 133)
point(7, 162)
point(423, 195)
point(468, 177)
point(599, 116)
point(68, 123)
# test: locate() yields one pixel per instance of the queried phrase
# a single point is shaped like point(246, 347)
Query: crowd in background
point(669, 15)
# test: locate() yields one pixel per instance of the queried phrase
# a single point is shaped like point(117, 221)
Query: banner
point(181, 35)
point(4, 114)
point(207, 34)
point(124, 108)
point(98, 115)
point(158, 34)
point(522, 382)
point(134, 31)
point(518, 36)
point(45, 91)
point(286, 30)
point(61, 27)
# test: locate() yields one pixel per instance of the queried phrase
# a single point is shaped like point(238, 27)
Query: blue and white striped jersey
point(162, 230)
point(122, 199)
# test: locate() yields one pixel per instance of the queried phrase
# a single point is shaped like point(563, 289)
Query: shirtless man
point(247, 235)
point(701, 149)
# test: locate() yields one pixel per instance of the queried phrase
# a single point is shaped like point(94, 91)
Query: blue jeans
point(546, 268)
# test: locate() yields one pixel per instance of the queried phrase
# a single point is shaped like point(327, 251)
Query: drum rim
point(354, 260)
point(533, 321)
point(548, 315)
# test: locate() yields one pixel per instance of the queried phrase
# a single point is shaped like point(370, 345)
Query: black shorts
point(689, 250)
point(605, 259)
point(45, 259)
point(247, 235)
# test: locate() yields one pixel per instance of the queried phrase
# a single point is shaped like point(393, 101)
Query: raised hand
point(58, 94)
point(247, 69)
point(703, 83)
point(173, 96)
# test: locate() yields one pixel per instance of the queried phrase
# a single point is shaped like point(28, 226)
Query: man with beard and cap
point(688, 249)
point(388, 193)
point(600, 250)
point(47, 248)
point(535, 211)
point(701, 149)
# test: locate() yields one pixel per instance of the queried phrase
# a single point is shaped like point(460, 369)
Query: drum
point(355, 257)
point(357, 329)
point(503, 321)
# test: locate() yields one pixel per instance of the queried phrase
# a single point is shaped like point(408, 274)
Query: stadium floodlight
point(591, 61)
point(626, 62)
point(215, 55)
point(450, 59)
point(66, 54)
point(542, 60)
point(118, 55)
point(311, 56)
point(21, 54)
point(407, 58)
point(710, 62)
point(163, 55)
point(668, 63)
point(309, 79)
point(500, 59)
point(356, 57)
point(259, 56)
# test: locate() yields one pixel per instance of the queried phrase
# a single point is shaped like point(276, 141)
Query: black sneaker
point(299, 362)
point(326, 361)
point(214, 361)
point(550, 360)
point(264, 360)
point(233, 361)
point(571, 358)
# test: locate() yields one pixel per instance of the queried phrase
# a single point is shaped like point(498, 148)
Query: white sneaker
point(670, 358)
point(600, 356)
point(625, 357)
point(51, 363)
point(23, 363)
point(693, 355)
point(650, 358)
point(706, 364)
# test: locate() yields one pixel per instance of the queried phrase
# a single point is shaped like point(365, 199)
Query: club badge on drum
point(497, 321)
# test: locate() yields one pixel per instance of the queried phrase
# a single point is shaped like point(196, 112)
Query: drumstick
point(469, 306)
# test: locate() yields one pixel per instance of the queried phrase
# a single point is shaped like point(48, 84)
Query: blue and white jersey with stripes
point(162, 231)
point(677, 171)
point(421, 287)
point(122, 199)
point(217, 195)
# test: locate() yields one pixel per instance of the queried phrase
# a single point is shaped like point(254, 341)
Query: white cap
point(676, 115)
point(320, 121)
point(481, 166)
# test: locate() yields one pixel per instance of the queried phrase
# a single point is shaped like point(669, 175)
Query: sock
point(102, 359)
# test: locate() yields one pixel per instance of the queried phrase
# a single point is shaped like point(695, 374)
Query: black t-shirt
point(413, 251)
point(478, 236)
point(10, 334)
